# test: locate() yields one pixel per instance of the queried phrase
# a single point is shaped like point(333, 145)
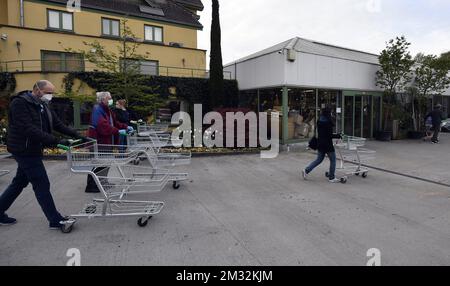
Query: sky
point(249, 26)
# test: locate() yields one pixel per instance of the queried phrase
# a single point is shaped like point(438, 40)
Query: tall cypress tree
point(216, 64)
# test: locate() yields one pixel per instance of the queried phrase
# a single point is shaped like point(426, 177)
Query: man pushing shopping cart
point(31, 124)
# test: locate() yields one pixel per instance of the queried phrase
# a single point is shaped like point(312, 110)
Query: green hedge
point(7, 82)
point(7, 86)
point(193, 90)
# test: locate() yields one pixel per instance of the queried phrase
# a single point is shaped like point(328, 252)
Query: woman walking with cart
point(106, 130)
point(324, 146)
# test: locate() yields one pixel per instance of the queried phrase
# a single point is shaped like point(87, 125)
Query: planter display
point(416, 135)
point(384, 136)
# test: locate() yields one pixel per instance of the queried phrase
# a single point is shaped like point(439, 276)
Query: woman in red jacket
point(106, 130)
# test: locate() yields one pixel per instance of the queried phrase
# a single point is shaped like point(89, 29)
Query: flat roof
point(317, 48)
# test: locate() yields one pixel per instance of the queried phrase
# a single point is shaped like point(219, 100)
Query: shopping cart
point(158, 159)
point(4, 155)
point(159, 128)
point(157, 141)
point(351, 154)
point(83, 158)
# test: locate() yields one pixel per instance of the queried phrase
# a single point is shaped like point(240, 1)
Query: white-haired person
point(106, 129)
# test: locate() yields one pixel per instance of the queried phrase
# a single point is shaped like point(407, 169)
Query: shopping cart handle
point(63, 147)
point(67, 148)
point(73, 142)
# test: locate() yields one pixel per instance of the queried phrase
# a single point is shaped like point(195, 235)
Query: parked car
point(446, 126)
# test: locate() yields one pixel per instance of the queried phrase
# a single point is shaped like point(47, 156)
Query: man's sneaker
point(304, 175)
point(335, 181)
point(435, 142)
point(5, 220)
point(60, 224)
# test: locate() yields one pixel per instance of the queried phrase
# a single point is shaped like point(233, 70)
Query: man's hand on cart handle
point(65, 144)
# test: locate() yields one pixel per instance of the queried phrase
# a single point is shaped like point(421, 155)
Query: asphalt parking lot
point(242, 210)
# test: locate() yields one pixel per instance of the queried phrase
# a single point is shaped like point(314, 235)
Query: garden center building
point(299, 76)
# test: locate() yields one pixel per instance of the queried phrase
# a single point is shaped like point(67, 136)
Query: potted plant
point(396, 63)
point(430, 77)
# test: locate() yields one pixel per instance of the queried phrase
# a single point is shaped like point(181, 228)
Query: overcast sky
point(249, 26)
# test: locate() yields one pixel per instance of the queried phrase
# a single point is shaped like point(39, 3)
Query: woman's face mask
point(111, 103)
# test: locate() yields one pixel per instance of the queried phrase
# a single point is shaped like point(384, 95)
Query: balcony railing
point(66, 66)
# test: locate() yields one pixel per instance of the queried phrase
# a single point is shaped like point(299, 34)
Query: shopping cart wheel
point(137, 161)
point(344, 180)
point(357, 174)
point(364, 175)
point(176, 185)
point(327, 174)
point(143, 221)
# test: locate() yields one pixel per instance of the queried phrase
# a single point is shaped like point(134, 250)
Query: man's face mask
point(46, 97)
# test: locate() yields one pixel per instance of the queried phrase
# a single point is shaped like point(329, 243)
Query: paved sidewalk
point(242, 210)
point(415, 158)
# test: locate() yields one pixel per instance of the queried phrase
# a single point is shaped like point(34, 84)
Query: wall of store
point(307, 70)
point(264, 71)
point(333, 73)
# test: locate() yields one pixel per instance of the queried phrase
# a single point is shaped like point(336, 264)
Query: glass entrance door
point(361, 115)
point(348, 115)
point(367, 116)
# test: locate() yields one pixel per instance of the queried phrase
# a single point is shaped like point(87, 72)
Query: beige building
point(35, 36)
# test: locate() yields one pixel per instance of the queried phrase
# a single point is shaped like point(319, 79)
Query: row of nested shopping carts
point(125, 176)
point(352, 156)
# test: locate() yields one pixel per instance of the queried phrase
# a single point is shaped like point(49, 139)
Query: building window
point(59, 20)
point(61, 62)
point(141, 66)
point(110, 27)
point(153, 34)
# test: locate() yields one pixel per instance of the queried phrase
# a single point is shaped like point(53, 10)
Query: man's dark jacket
point(27, 135)
point(437, 116)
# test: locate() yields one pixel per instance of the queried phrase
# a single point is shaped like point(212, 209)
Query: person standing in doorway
point(31, 124)
point(325, 146)
point(436, 118)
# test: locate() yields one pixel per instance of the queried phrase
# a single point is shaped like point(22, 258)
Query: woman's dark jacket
point(123, 116)
point(325, 135)
point(30, 126)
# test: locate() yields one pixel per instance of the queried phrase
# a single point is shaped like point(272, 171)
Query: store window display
point(302, 114)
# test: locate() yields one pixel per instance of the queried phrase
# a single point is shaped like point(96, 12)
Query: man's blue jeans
point(31, 170)
point(319, 160)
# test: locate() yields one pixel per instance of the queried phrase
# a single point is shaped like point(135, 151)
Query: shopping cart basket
point(351, 155)
point(146, 129)
point(84, 157)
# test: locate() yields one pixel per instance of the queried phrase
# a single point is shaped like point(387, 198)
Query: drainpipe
point(22, 21)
